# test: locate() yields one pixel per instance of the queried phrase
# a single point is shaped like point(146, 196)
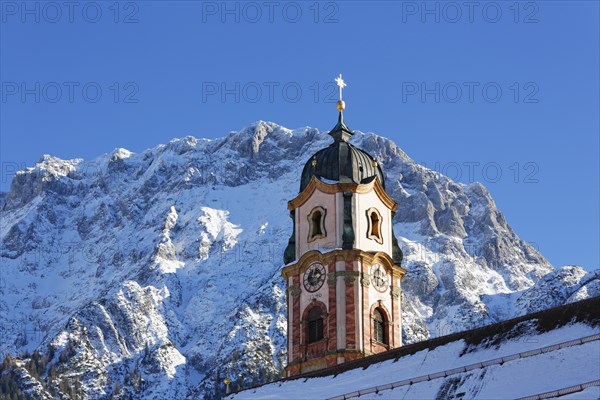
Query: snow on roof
point(521, 362)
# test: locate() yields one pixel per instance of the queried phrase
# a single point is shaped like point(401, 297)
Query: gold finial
point(341, 84)
point(374, 164)
point(227, 382)
point(314, 162)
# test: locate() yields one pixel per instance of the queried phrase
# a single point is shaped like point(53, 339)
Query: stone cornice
point(342, 255)
point(332, 188)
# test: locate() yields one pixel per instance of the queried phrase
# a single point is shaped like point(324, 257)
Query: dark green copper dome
point(341, 161)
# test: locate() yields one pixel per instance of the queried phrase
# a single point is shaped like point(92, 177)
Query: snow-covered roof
point(518, 358)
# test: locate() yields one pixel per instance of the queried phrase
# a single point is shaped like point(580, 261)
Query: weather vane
point(340, 82)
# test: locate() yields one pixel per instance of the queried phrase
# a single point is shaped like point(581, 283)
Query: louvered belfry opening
point(315, 325)
point(379, 327)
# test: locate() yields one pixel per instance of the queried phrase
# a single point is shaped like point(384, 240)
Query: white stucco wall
point(362, 202)
point(328, 202)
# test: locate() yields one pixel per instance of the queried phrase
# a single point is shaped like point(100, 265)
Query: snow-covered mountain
point(153, 275)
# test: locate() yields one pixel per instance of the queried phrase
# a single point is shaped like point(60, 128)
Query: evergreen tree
point(7, 362)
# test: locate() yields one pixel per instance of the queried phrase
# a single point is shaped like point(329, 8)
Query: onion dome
point(341, 161)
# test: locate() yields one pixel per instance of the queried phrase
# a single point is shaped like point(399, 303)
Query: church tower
point(342, 269)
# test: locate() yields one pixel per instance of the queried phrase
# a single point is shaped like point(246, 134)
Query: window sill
point(377, 342)
point(315, 343)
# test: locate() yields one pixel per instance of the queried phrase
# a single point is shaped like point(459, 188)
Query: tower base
point(330, 360)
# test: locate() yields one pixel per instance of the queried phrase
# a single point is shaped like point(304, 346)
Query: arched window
point(374, 225)
point(379, 327)
point(316, 224)
point(315, 325)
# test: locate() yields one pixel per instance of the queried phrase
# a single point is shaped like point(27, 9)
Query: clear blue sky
point(427, 76)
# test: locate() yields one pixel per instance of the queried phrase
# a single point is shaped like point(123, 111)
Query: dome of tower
point(341, 161)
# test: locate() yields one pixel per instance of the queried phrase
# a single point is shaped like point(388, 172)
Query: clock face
point(314, 277)
point(379, 277)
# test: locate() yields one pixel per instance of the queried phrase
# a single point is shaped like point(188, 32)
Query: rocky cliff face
point(153, 275)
